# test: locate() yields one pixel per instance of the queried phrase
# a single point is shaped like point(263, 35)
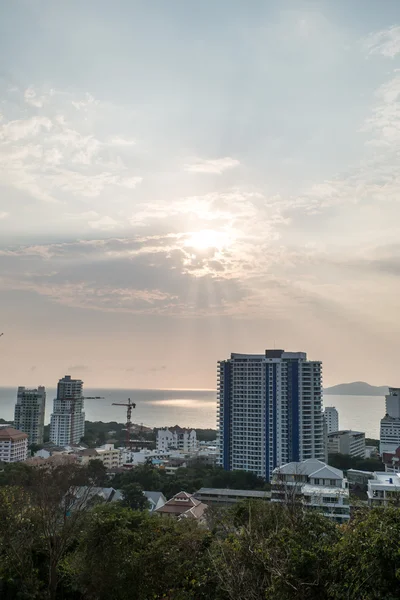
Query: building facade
point(331, 416)
point(176, 438)
point(29, 413)
point(269, 411)
point(347, 442)
point(315, 485)
point(384, 489)
point(390, 424)
point(13, 445)
point(67, 423)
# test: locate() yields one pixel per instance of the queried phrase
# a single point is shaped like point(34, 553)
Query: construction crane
point(129, 406)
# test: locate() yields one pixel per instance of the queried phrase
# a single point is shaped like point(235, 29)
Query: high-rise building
point(331, 419)
point(29, 413)
point(390, 424)
point(269, 411)
point(67, 424)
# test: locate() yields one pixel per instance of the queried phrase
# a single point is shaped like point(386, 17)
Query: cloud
point(79, 368)
point(214, 166)
point(4, 215)
point(120, 141)
point(103, 224)
point(385, 42)
point(57, 154)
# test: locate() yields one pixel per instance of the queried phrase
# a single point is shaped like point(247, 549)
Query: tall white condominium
point(269, 411)
point(331, 419)
point(29, 413)
point(67, 423)
point(390, 424)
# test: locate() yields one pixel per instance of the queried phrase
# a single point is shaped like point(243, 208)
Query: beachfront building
point(67, 423)
point(176, 438)
point(331, 417)
point(390, 424)
point(384, 489)
point(13, 445)
point(29, 413)
point(269, 411)
point(348, 442)
point(315, 485)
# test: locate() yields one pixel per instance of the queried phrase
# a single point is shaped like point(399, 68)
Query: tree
point(96, 473)
point(146, 557)
point(270, 551)
point(133, 497)
point(365, 562)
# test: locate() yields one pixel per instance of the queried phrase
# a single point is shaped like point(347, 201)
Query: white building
point(331, 416)
point(269, 411)
point(347, 442)
point(13, 445)
point(316, 485)
point(384, 489)
point(111, 457)
point(67, 423)
point(390, 424)
point(29, 413)
point(176, 438)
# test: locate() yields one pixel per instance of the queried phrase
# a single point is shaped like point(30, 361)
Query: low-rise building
point(177, 438)
point(156, 500)
point(384, 489)
point(112, 458)
point(13, 445)
point(226, 497)
point(183, 506)
point(348, 442)
point(315, 485)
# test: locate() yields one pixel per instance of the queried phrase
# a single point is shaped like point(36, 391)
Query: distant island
point(356, 388)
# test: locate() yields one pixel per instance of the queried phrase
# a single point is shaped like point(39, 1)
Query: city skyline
point(180, 182)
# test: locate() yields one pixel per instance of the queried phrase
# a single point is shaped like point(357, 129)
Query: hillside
point(356, 388)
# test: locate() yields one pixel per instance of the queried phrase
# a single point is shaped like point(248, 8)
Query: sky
point(182, 180)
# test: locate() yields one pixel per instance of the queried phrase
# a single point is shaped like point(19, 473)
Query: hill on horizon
point(356, 388)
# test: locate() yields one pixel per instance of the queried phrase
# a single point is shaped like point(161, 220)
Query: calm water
point(195, 408)
point(154, 408)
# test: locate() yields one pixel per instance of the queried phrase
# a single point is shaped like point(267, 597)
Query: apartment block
point(67, 423)
point(390, 424)
point(331, 416)
point(29, 413)
point(177, 438)
point(13, 445)
point(269, 411)
point(348, 442)
point(315, 485)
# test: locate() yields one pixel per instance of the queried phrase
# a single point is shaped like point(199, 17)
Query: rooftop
point(382, 479)
point(344, 431)
point(311, 467)
point(319, 490)
point(238, 493)
point(10, 434)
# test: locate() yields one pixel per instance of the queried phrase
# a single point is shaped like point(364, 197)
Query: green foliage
point(51, 549)
point(366, 559)
point(133, 497)
point(372, 442)
point(188, 479)
point(345, 462)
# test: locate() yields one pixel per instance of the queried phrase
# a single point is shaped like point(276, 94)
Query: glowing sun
point(207, 238)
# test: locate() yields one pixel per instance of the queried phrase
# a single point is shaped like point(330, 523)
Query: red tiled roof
point(9, 433)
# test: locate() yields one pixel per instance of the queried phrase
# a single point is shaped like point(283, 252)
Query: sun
point(207, 238)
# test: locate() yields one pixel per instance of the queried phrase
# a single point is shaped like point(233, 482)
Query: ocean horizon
point(192, 407)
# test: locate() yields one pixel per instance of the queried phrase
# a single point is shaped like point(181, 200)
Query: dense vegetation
point(51, 548)
point(188, 479)
point(345, 462)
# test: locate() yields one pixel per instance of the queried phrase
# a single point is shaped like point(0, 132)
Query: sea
point(194, 408)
